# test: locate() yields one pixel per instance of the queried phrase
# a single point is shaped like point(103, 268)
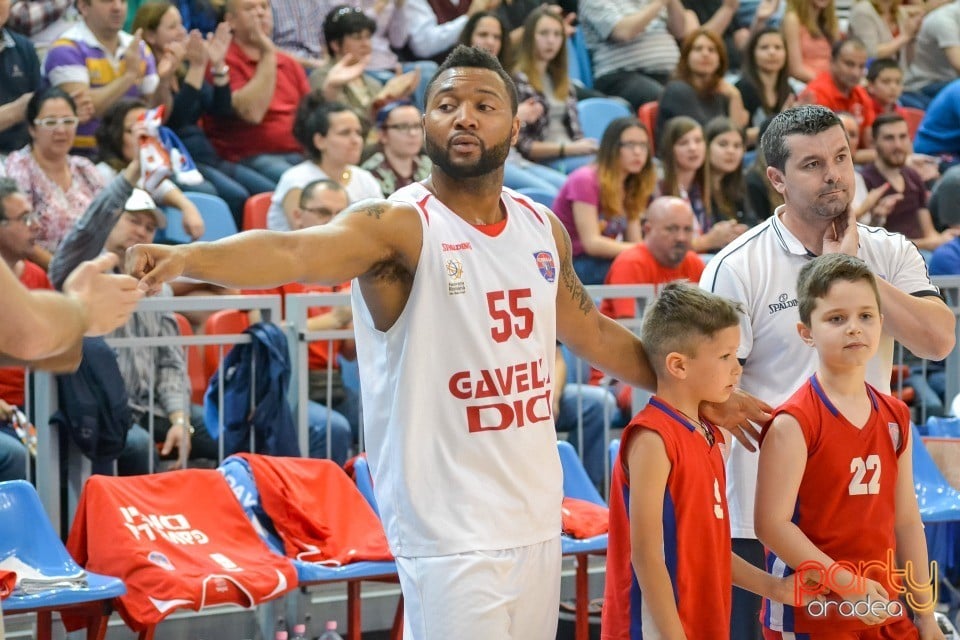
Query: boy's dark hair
point(681, 316)
point(879, 65)
point(818, 275)
point(342, 21)
point(884, 119)
point(805, 120)
point(470, 57)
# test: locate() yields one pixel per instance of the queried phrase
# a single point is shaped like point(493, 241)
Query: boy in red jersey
point(669, 559)
point(835, 497)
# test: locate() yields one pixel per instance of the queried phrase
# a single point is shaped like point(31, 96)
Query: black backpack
point(93, 405)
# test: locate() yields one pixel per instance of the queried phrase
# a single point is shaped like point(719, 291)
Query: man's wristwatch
point(222, 71)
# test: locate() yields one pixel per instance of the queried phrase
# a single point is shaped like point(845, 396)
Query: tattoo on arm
point(570, 280)
point(374, 210)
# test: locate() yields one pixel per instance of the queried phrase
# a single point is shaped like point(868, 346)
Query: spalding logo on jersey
point(548, 269)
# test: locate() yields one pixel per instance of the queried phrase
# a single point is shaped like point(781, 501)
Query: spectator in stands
point(939, 133)
point(838, 89)
point(937, 58)
point(296, 32)
point(811, 29)
point(202, 15)
point(195, 96)
point(764, 85)
point(96, 55)
point(486, 30)
point(118, 145)
point(332, 134)
point(435, 26)
point(725, 167)
point(877, 23)
point(267, 85)
point(910, 215)
point(555, 138)
point(945, 260)
point(665, 254)
point(719, 17)
point(683, 153)
point(601, 204)
point(20, 71)
point(42, 21)
point(885, 85)
point(119, 218)
point(318, 202)
point(399, 160)
point(699, 89)
point(634, 45)
point(348, 32)
point(58, 185)
point(18, 235)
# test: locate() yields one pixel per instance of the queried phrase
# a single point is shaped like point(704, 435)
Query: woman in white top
point(333, 137)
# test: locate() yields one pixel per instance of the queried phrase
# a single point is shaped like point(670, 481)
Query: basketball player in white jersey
point(462, 288)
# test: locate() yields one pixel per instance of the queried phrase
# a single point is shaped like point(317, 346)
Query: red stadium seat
point(227, 321)
point(647, 114)
point(255, 211)
point(913, 117)
point(195, 368)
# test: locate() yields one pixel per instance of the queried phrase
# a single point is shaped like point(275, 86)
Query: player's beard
point(489, 160)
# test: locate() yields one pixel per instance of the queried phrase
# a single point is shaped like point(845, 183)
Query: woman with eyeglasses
point(399, 159)
point(59, 186)
point(332, 135)
point(601, 204)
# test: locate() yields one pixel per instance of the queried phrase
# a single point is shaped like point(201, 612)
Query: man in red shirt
point(18, 233)
point(663, 256)
point(839, 90)
point(267, 86)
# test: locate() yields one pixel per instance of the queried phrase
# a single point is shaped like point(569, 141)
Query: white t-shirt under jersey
point(362, 185)
point(457, 394)
point(760, 269)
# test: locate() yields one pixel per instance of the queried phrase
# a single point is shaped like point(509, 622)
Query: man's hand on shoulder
point(739, 415)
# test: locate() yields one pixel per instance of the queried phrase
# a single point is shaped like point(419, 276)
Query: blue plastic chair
point(580, 65)
point(596, 113)
point(540, 196)
point(26, 532)
point(576, 484)
point(943, 427)
point(614, 452)
point(217, 219)
point(173, 233)
point(240, 478)
point(364, 480)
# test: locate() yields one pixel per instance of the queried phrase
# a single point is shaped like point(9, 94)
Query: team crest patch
point(455, 283)
point(894, 435)
point(161, 560)
point(546, 265)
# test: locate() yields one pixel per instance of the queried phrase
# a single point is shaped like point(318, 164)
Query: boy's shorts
point(902, 629)
point(510, 594)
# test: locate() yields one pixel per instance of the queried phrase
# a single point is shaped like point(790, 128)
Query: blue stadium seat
point(541, 196)
point(364, 480)
point(614, 452)
point(576, 484)
point(27, 535)
point(579, 64)
point(596, 113)
point(217, 219)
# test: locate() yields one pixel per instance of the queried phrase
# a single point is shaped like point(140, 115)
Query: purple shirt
point(583, 185)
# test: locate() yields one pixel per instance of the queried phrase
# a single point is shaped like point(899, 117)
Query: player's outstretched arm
point(649, 468)
point(912, 549)
point(783, 457)
point(48, 326)
point(366, 234)
point(588, 333)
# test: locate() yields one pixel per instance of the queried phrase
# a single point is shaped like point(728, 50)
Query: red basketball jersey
point(696, 533)
point(845, 504)
point(177, 539)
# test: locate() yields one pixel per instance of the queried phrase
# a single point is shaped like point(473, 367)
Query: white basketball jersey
point(458, 393)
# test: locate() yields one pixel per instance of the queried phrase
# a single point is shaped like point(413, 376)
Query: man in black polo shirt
point(19, 78)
